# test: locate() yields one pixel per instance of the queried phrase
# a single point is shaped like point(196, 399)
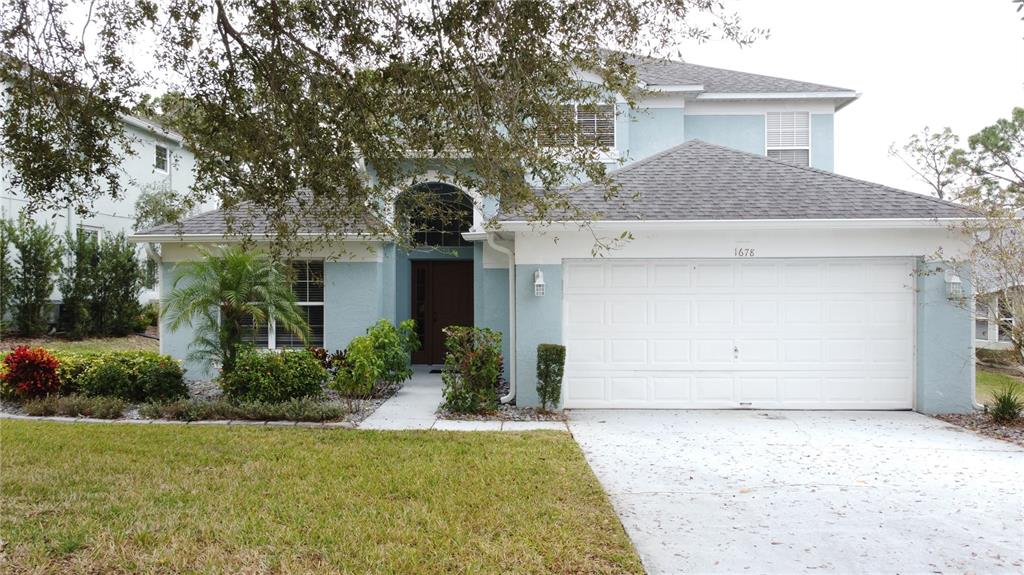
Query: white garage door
point(800, 334)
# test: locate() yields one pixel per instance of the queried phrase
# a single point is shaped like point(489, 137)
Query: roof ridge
point(916, 195)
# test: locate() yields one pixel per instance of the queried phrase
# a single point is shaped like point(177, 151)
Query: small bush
point(274, 377)
point(76, 406)
point(1007, 404)
point(550, 368)
point(134, 376)
point(30, 372)
point(107, 378)
point(394, 346)
point(303, 409)
point(72, 365)
point(360, 370)
point(471, 369)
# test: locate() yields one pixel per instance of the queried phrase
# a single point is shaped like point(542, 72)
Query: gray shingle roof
point(249, 220)
point(665, 72)
point(701, 181)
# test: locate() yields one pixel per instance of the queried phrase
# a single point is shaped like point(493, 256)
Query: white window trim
point(987, 318)
point(89, 228)
point(272, 323)
point(810, 136)
point(612, 153)
point(156, 168)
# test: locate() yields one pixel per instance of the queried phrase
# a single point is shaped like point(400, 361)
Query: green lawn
point(988, 382)
point(131, 342)
point(129, 498)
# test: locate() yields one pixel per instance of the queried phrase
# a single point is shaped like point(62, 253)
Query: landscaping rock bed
point(982, 423)
point(506, 413)
point(356, 409)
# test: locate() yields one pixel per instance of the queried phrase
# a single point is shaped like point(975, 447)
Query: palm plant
point(226, 294)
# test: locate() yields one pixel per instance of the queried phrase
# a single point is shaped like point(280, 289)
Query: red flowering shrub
point(30, 372)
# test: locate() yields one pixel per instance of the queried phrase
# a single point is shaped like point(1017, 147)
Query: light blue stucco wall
point(538, 320)
point(176, 343)
point(743, 132)
point(823, 141)
point(945, 346)
point(652, 130)
point(352, 300)
point(490, 299)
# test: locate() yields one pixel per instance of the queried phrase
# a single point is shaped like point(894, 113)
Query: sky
point(916, 63)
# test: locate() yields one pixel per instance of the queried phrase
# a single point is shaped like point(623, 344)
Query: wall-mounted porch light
point(538, 283)
point(954, 286)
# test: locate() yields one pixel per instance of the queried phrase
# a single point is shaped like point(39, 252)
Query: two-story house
point(756, 277)
point(157, 159)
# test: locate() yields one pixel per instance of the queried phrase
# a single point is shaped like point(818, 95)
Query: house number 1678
point(744, 252)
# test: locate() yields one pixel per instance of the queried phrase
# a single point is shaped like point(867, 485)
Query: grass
point(988, 382)
point(99, 344)
point(123, 498)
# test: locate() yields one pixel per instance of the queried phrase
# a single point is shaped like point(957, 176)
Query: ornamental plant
point(360, 370)
point(550, 368)
point(273, 377)
point(394, 346)
point(30, 372)
point(1007, 404)
point(472, 367)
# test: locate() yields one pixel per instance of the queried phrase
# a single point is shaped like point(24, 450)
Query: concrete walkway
point(415, 407)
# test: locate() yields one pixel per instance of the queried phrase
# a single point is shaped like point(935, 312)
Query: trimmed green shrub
point(1007, 404)
point(394, 346)
point(301, 409)
point(38, 262)
point(108, 378)
point(76, 406)
point(274, 376)
point(71, 367)
point(359, 370)
point(29, 372)
point(130, 375)
point(550, 368)
point(471, 369)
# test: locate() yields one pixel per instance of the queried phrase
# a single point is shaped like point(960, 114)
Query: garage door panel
point(715, 275)
point(671, 389)
point(759, 276)
point(671, 275)
point(730, 333)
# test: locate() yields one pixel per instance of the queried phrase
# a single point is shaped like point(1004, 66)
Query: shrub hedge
point(274, 377)
point(133, 376)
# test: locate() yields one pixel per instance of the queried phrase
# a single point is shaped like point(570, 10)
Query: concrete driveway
point(814, 492)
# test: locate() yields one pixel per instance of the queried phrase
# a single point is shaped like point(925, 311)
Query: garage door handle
point(735, 352)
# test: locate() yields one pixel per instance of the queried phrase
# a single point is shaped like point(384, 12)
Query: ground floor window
point(308, 286)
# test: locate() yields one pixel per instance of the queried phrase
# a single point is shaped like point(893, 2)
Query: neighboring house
point(756, 277)
point(157, 159)
point(993, 321)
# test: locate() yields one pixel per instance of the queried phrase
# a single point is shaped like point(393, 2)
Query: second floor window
point(789, 137)
point(595, 125)
point(160, 159)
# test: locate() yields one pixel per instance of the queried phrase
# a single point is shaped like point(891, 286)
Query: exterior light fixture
point(538, 283)
point(954, 286)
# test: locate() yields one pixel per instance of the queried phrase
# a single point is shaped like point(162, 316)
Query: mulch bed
point(982, 423)
point(506, 413)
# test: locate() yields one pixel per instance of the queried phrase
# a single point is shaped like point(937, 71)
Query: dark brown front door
point(442, 295)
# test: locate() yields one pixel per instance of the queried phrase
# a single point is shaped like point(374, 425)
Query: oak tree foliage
point(327, 110)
